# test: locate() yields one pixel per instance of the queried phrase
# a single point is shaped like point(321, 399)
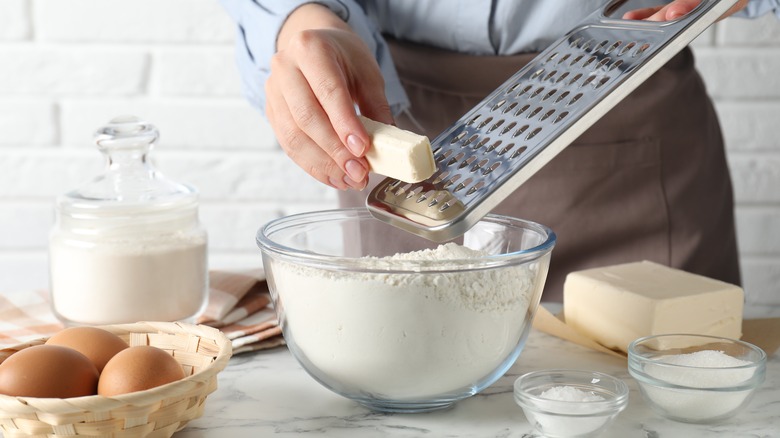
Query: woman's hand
point(321, 70)
point(674, 10)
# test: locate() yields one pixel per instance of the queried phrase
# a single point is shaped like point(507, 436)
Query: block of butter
point(397, 153)
point(616, 304)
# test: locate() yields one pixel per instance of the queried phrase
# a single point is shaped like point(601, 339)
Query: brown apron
point(649, 181)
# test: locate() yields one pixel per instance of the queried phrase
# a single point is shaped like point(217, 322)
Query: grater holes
point(479, 165)
point(493, 146)
point(512, 88)
point(522, 110)
point(456, 158)
point(589, 61)
point(640, 50)
point(575, 43)
point(603, 62)
point(470, 140)
point(614, 46)
point(536, 111)
point(475, 188)
point(615, 64)
point(458, 137)
point(424, 196)
point(551, 57)
point(474, 120)
point(550, 75)
point(601, 82)
point(444, 156)
point(467, 182)
point(524, 90)
point(436, 151)
point(498, 104)
point(536, 74)
point(574, 99)
point(400, 190)
point(483, 142)
point(518, 152)
point(506, 149)
point(546, 115)
point(575, 60)
point(484, 123)
point(440, 177)
point(563, 76)
point(536, 92)
point(588, 80)
point(495, 126)
point(509, 108)
point(550, 94)
point(508, 127)
point(467, 162)
point(393, 184)
point(575, 79)
point(520, 131)
point(562, 96)
point(414, 192)
point(492, 167)
point(533, 133)
point(600, 46)
point(587, 46)
point(564, 58)
point(626, 48)
point(561, 116)
point(451, 181)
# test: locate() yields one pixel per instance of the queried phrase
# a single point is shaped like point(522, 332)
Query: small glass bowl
point(569, 418)
point(695, 394)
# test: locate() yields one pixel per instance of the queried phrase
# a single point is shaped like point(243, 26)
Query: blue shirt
point(496, 27)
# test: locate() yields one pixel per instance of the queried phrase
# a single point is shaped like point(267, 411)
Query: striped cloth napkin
point(239, 305)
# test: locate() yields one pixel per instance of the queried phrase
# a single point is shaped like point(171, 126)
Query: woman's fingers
point(298, 146)
point(641, 14)
point(310, 118)
point(674, 10)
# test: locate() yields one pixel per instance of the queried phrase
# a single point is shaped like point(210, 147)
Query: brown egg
point(97, 344)
point(48, 371)
point(137, 369)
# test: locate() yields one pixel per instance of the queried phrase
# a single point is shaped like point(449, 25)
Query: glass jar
point(128, 246)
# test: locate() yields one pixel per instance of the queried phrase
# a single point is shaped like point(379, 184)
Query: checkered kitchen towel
point(239, 305)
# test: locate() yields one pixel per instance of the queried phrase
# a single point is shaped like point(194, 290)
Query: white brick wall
point(67, 66)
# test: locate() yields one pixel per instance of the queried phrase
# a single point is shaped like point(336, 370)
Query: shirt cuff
point(757, 8)
point(258, 24)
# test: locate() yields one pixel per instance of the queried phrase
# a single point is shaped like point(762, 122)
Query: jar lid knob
point(126, 132)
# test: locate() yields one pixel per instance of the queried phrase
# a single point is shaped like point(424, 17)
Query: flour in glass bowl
point(406, 336)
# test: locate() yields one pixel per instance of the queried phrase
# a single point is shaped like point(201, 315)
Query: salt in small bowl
point(696, 378)
point(602, 398)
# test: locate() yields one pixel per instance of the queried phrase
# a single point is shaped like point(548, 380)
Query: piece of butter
point(617, 304)
point(397, 153)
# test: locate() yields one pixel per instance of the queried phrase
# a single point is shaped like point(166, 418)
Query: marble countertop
point(269, 394)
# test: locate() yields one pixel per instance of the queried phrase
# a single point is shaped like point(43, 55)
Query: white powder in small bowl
point(568, 411)
point(700, 370)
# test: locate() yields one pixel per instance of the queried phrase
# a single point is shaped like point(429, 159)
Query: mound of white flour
point(406, 336)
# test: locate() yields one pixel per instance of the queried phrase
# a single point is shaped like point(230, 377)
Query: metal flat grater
point(533, 116)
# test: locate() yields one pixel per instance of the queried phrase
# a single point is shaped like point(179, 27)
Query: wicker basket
point(158, 412)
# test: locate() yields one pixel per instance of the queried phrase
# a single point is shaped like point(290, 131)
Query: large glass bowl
point(403, 335)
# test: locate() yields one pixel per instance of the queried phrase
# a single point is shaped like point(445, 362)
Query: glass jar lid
point(130, 184)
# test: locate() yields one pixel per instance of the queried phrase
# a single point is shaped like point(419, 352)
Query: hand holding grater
point(498, 145)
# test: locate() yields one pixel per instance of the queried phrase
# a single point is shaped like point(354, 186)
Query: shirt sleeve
point(757, 8)
point(258, 23)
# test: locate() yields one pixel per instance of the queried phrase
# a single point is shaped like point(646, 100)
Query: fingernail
point(336, 183)
point(354, 184)
point(355, 145)
point(355, 170)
